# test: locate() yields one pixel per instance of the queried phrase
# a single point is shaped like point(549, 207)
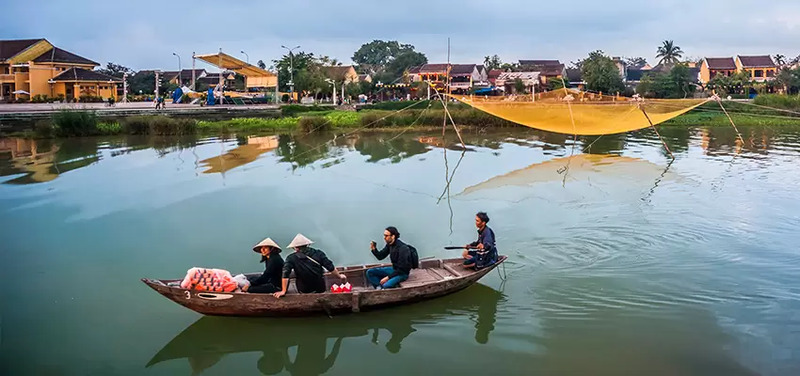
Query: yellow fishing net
point(571, 111)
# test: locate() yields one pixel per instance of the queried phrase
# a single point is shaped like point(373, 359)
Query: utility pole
point(125, 87)
point(180, 79)
point(157, 82)
point(291, 70)
point(194, 79)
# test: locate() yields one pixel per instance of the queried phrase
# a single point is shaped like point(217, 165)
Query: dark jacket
point(272, 271)
point(488, 255)
point(400, 255)
point(308, 274)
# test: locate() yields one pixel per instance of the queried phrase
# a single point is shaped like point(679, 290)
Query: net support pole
point(716, 97)
point(656, 130)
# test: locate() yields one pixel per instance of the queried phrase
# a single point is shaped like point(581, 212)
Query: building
point(185, 76)
point(346, 73)
point(548, 69)
point(714, 66)
point(212, 80)
point(508, 81)
point(760, 68)
point(34, 67)
point(575, 78)
point(364, 78)
point(492, 76)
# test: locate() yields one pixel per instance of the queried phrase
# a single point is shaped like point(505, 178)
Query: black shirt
point(308, 274)
point(272, 271)
point(400, 255)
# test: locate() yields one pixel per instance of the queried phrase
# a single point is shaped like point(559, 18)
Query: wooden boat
point(211, 338)
point(432, 279)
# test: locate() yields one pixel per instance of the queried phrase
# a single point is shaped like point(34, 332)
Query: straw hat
point(266, 243)
point(300, 241)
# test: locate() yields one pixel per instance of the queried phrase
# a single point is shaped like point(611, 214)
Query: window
point(770, 73)
point(759, 73)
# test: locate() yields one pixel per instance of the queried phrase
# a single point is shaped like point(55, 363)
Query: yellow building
point(760, 68)
point(30, 67)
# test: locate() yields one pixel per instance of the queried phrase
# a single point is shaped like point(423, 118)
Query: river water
point(622, 261)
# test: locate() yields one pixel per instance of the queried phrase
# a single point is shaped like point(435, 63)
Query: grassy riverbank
point(384, 115)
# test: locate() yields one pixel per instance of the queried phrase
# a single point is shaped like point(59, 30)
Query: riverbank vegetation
point(766, 110)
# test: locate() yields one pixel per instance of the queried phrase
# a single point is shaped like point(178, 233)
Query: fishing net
point(576, 112)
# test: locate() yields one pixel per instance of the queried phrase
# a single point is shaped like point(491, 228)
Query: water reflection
point(249, 149)
point(584, 167)
point(44, 160)
point(41, 161)
point(209, 339)
point(632, 332)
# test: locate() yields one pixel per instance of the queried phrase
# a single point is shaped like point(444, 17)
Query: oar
point(456, 247)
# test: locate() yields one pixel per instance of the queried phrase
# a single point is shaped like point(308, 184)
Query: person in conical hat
point(270, 280)
point(307, 264)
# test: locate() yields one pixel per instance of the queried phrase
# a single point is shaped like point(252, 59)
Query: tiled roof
point(461, 69)
point(757, 61)
point(721, 63)
point(80, 74)
point(57, 55)
point(540, 62)
point(10, 48)
point(574, 75)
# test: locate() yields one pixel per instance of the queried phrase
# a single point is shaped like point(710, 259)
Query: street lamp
point(248, 56)
point(332, 82)
point(291, 70)
point(179, 69)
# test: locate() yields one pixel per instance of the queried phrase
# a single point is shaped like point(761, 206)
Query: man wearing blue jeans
point(390, 276)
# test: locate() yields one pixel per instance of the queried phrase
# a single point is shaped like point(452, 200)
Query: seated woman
point(270, 281)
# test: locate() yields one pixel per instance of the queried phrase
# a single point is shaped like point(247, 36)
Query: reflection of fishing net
point(594, 167)
point(591, 114)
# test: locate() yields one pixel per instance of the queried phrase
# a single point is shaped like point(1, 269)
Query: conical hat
point(300, 241)
point(264, 243)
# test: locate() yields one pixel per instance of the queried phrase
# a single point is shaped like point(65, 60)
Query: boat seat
point(420, 277)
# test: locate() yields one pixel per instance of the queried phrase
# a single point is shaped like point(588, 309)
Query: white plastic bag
point(242, 281)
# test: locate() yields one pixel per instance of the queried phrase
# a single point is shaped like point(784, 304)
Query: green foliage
point(519, 86)
point(669, 53)
point(294, 109)
point(68, 123)
point(636, 62)
point(158, 125)
point(90, 99)
point(109, 128)
point(115, 70)
point(309, 124)
point(678, 83)
point(387, 60)
point(492, 62)
point(601, 73)
point(789, 80)
point(737, 83)
point(39, 98)
point(787, 102)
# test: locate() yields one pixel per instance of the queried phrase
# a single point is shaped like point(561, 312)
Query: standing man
point(482, 252)
point(390, 276)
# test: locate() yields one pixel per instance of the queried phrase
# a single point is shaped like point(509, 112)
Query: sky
point(145, 35)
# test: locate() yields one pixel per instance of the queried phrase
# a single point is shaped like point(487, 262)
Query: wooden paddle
point(456, 247)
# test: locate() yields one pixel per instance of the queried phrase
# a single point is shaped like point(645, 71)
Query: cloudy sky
point(143, 35)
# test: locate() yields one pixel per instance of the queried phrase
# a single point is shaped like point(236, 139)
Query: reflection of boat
point(241, 155)
point(432, 279)
point(209, 339)
point(578, 167)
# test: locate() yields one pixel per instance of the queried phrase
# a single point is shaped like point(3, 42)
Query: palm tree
point(780, 59)
point(669, 53)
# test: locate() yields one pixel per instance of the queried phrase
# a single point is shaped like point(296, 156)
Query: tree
point(601, 73)
point(378, 57)
point(299, 62)
point(492, 62)
point(636, 62)
point(780, 60)
point(403, 61)
point(519, 86)
point(143, 81)
point(116, 70)
point(261, 64)
point(789, 79)
point(669, 53)
point(677, 83)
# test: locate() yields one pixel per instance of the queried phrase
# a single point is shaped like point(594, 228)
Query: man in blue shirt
point(482, 252)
